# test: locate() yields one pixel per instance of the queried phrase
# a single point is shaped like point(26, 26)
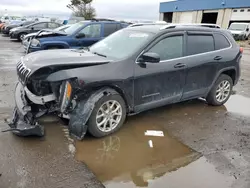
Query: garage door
point(241, 14)
point(186, 17)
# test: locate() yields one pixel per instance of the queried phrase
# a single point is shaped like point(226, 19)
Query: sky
point(117, 9)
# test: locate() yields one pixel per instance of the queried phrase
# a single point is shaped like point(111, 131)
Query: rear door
point(202, 62)
point(92, 34)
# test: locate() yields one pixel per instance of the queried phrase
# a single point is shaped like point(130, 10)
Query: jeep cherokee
point(132, 70)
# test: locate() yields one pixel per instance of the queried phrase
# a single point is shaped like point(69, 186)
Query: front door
point(157, 84)
point(92, 34)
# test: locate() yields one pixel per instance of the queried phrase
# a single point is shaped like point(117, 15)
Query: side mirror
point(247, 29)
point(149, 57)
point(32, 28)
point(80, 35)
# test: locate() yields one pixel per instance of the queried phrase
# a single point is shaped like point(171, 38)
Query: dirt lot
point(202, 146)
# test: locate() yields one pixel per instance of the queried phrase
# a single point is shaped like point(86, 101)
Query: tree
point(82, 8)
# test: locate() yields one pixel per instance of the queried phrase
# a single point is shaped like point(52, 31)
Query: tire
point(93, 128)
point(19, 38)
point(211, 98)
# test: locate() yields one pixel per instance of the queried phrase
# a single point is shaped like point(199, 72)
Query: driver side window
point(91, 31)
point(169, 48)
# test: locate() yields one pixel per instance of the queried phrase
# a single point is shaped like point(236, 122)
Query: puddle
point(198, 174)
point(127, 156)
point(239, 105)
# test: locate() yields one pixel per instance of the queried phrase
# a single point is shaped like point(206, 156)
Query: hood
point(62, 58)
point(236, 31)
point(50, 33)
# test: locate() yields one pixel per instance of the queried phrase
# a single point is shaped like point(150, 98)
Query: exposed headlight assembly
point(65, 95)
point(35, 42)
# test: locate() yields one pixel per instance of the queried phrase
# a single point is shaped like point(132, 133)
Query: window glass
point(242, 10)
point(200, 44)
point(220, 41)
point(53, 25)
point(235, 10)
point(40, 26)
point(92, 31)
point(169, 48)
point(121, 44)
point(109, 29)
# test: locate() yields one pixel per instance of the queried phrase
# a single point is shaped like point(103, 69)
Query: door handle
point(218, 58)
point(180, 65)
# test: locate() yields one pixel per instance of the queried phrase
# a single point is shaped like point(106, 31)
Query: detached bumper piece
point(22, 122)
point(19, 127)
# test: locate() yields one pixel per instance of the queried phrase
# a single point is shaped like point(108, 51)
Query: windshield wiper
point(99, 54)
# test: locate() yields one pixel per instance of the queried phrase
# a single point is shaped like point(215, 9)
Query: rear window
point(200, 43)
point(221, 41)
point(109, 29)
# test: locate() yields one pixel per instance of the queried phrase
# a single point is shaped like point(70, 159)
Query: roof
point(191, 5)
point(159, 28)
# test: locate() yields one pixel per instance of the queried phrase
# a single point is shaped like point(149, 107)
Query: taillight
point(241, 49)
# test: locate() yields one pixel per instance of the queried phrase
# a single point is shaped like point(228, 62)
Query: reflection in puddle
point(127, 157)
point(198, 174)
point(238, 104)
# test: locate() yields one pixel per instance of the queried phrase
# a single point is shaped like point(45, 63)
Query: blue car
point(79, 35)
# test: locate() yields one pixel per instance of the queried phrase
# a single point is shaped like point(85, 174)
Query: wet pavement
point(202, 146)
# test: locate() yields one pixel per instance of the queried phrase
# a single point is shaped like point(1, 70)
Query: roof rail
point(171, 26)
point(102, 19)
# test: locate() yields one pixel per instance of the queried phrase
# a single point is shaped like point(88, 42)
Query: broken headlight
point(65, 95)
point(35, 42)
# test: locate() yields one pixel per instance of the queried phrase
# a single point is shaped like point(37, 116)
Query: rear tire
point(221, 91)
point(104, 120)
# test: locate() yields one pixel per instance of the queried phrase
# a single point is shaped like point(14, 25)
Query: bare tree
point(82, 8)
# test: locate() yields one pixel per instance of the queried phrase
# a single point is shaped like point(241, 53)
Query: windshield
point(121, 44)
point(74, 28)
point(239, 27)
point(62, 28)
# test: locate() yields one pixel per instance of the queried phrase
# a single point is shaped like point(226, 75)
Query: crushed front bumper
point(23, 121)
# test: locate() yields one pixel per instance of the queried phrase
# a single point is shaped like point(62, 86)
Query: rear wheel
point(221, 91)
point(108, 116)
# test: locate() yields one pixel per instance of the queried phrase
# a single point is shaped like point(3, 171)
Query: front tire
point(221, 91)
point(108, 116)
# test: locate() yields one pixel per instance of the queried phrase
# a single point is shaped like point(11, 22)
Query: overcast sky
point(123, 9)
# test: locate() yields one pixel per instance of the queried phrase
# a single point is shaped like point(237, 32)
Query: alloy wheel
point(223, 91)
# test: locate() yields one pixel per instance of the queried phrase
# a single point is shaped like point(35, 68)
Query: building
point(221, 12)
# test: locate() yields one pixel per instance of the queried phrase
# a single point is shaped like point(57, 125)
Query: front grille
point(22, 72)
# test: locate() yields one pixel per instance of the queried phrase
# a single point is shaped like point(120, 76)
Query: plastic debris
point(150, 143)
point(154, 133)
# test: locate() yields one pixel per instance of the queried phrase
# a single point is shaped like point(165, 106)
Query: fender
point(47, 44)
point(218, 74)
point(81, 114)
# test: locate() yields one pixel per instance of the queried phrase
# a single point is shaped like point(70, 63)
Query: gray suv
point(132, 70)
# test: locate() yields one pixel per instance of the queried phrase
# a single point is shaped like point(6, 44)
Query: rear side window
point(198, 44)
point(109, 29)
point(221, 42)
point(169, 48)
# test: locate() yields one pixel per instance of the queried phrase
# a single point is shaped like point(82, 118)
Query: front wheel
point(221, 91)
point(108, 116)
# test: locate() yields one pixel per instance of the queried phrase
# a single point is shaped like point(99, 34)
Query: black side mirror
point(247, 29)
point(80, 35)
point(32, 28)
point(149, 57)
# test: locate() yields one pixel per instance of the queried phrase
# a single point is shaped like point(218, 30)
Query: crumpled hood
point(236, 32)
point(60, 58)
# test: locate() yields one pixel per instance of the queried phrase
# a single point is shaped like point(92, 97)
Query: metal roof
point(191, 5)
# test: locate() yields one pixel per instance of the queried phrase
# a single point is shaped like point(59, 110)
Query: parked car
point(26, 39)
point(132, 70)
point(7, 28)
point(19, 32)
point(240, 31)
point(81, 34)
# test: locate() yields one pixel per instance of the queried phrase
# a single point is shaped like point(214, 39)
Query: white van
point(240, 31)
